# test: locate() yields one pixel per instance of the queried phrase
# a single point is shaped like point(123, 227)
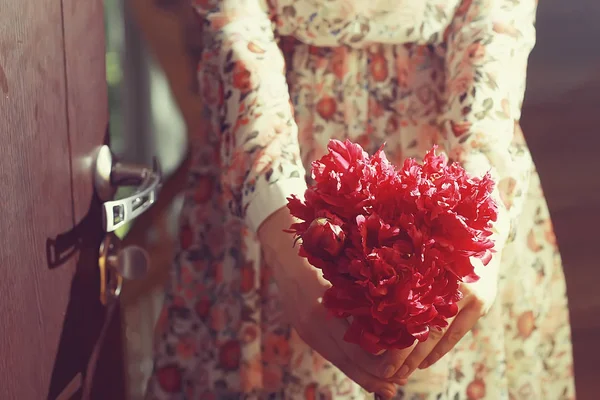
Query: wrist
point(269, 198)
point(271, 233)
point(280, 253)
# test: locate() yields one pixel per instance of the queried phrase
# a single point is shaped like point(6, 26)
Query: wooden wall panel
point(35, 195)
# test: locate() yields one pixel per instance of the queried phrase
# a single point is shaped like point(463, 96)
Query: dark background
point(561, 121)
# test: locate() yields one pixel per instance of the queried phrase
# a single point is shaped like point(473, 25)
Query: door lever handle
point(109, 175)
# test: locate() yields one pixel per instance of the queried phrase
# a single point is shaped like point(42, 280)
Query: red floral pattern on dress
point(410, 73)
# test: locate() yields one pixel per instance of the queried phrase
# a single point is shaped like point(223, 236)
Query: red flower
point(379, 67)
point(476, 390)
point(326, 107)
point(323, 238)
point(169, 379)
point(230, 355)
point(247, 275)
point(394, 243)
point(460, 128)
point(202, 307)
point(314, 392)
point(339, 64)
point(242, 78)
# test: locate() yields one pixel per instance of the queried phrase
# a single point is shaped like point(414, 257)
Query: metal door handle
point(109, 175)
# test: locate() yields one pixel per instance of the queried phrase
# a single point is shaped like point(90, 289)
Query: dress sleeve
point(488, 46)
point(242, 78)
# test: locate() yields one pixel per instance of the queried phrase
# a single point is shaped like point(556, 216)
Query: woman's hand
point(477, 300)
point(302, 286)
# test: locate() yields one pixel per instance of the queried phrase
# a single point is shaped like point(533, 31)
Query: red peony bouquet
point(394, 243)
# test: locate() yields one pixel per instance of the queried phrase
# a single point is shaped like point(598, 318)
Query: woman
point(410, 73)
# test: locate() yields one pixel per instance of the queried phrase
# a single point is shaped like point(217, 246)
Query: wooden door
point(53, 115)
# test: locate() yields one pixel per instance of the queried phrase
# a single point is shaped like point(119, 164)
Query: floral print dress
point(280, 79)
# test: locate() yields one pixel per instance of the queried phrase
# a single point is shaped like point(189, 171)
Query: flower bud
point(323, 238)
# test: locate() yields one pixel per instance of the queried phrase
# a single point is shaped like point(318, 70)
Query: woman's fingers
point(383, 366)
point(325, 335)
point(321, 332)
point(463, 323)
point(440, 342)
point(368, 381)
point(420, 353)
point(394, 360)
